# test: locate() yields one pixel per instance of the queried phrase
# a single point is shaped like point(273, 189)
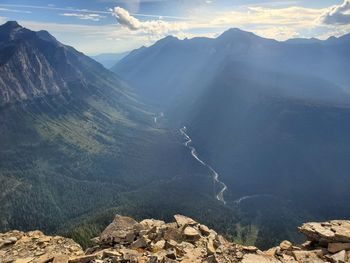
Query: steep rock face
point(34, 64)
point(27, 75)
point(185, 240)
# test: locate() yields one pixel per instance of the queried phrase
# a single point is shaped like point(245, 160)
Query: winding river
point(220, 195)
point(238, 201)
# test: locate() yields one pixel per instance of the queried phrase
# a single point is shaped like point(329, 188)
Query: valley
point(276, 135)
point(263, 146)
point(219, 195)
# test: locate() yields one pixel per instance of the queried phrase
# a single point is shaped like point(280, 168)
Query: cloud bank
point(155, 27)
point(93, 17)
point(338, 15)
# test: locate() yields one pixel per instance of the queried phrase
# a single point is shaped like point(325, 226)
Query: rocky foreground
point(185, 240)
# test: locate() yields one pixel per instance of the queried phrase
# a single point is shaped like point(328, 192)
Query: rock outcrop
point(34, 246)
point(326, 242)
point(185, 240)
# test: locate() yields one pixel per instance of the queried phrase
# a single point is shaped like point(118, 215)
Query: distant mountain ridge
point(109, 59)
point(152, 70)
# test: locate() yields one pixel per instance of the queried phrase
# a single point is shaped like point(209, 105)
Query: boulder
point(173, 234)
point(159, 245)
point(129, 255)
point(150, 223)
point(250, 248)
point(184, 221)
point(122, 230)
point(286, 245)
point(142, 242)
point(307, 256)
point(210, 247)
point(336, 247)
point(272, 251)
point(111, 254)
point(191, 234)
point(204, 230)
point(328, 232)
point(340, 257)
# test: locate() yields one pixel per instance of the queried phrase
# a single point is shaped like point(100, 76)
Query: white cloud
point(337, 15)
point(154, 27)
point(93, 39)
point(267, 21)
point(125, 19)
point(133, 29)
point(93, 17)
point(75, 10)
point(258, 15)
point(15, 10)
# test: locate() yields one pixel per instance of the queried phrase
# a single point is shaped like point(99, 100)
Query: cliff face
point(35, 64)
point(185, 240)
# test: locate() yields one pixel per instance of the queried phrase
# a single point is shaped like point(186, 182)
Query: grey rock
point(122, 230)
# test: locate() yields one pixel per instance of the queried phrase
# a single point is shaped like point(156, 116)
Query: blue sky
point(107, 26)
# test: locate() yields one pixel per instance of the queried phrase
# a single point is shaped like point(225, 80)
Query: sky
point(114, 26)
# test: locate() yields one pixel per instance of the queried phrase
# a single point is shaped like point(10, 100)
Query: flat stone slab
point(327, 232)
point(184, 220)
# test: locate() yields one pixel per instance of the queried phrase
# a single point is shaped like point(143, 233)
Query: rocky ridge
point(185, 240)
point(34, 65)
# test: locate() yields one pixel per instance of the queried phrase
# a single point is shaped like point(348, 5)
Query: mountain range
point(180, 66)
point(271, 117)
point(78, 145)
point(109, 59)
point(268, 120)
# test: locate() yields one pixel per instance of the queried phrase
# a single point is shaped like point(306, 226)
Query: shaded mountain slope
point(75, 141)
point(108, 60)
point(174, 68)
point(271, 117)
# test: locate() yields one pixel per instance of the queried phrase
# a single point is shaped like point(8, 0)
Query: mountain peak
point(236, 32)
point(44, 35)
point(11, 25)
point(10, 30)
point(342, 39)
point(167, 39)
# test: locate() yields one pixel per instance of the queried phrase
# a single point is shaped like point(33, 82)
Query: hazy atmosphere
point(107, 26)
point(155, 131)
